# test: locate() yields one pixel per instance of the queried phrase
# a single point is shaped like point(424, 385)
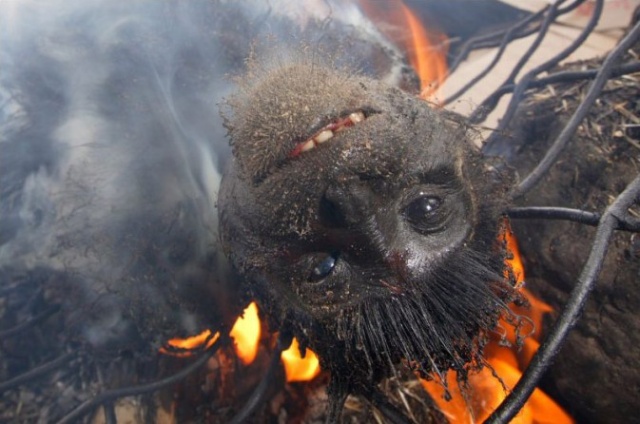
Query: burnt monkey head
point(363, 220)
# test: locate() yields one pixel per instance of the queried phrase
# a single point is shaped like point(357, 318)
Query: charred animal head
point(363, 220)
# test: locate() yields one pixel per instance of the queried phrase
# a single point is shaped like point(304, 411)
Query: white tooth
point(324, 136)
point(308, 146)
point(356, 117)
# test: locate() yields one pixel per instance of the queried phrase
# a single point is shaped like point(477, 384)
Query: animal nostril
point(331, 214)
point(345, 205)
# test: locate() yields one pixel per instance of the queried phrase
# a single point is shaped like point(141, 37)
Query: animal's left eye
point(426, 213)
point(324, 267)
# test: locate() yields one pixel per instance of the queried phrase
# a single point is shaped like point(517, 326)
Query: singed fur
point(395, 294)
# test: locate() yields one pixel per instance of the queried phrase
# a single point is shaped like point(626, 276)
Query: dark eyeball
point(323, 268)
point(425, 213)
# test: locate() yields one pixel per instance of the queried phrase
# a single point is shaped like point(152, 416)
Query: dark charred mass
point(364, 221)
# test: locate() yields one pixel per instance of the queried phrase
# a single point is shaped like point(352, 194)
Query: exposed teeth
point(356, 117)
point(324, 136)
point(328, 132)
point(308, 146)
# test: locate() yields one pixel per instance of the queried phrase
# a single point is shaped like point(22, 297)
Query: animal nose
point(346, 205)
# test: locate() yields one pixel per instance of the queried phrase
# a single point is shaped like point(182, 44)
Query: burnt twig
point(567, 320)
point(594, 91)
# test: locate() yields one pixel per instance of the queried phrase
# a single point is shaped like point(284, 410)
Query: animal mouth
point(327, 132)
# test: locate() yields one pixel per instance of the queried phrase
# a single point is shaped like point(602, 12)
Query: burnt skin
point(375, 246)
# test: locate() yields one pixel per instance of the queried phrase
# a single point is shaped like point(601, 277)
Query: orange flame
point(484, 391)
point(298, 368)
point(189, 343)
point(246, 334)
point(425, 49)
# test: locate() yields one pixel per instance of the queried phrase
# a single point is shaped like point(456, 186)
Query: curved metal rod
point(594, 91)
point(568, 214)
point(567, 320)
point(258, 395)
point(110, 395)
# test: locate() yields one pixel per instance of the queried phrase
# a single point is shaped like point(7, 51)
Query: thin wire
point(568, 214)
point(567, 76)
point(506, 39)
point(594, 91)
point(483, 110)
point(567, 320)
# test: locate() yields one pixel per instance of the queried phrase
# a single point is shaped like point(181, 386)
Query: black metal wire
point(567, 320)
point(481, 112)
point(568, 214)
point(594, 91)
point(567, 76)
point(522, 29)
point(506, 39)
point(514, 30)
point(111, 395)
point(259, 393)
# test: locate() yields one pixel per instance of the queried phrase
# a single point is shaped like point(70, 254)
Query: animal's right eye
point(323, 268)
point(426, 213)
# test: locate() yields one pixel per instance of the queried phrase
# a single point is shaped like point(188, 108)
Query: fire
point(298, 368)
point(425, 49)
point(183, 346)
point(485, 391)
point(246, 334)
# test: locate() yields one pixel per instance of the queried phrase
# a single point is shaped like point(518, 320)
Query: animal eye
point(425, 213)
point(323, 268)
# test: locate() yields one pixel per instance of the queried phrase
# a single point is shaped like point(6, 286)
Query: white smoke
point(112, 148)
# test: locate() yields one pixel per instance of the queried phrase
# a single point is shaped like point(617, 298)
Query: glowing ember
point(246, 334)
point(189, 343)
point(426, 50)
point(485, 391)
point(297, 368)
